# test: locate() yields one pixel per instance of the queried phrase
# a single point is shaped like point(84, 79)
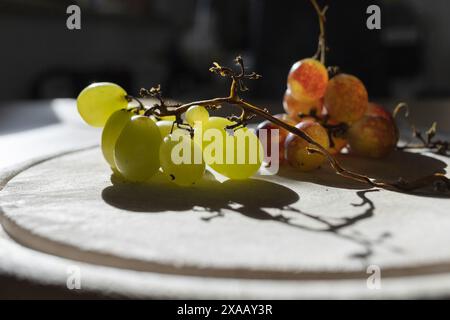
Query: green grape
point(165, 126)
point(136, 153)
point(218, 123)
point(113, 127)
point(237, 156)
point(98, 101)
point(181, 159)
point(197, 114)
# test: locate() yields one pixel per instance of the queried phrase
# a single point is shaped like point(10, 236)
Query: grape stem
point(333, 130)
point(140, 106)
point(249, 110)
point(322, 47)
point(426, 142)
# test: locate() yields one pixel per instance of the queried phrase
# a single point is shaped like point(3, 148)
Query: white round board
point(291, 226)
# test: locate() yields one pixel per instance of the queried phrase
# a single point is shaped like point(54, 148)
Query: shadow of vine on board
point(256, 199)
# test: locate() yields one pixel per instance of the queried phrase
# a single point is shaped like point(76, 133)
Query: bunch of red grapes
point(335, 112)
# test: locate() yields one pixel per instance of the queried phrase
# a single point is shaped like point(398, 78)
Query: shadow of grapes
point(252, 198)
point(161, 195)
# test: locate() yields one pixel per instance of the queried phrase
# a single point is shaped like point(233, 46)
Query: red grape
point(346, 98)
point(297, 153)
point(282, 134)
point(338, 144)
point(372, 136)
point(294, 107)
point(307, 80)
point(374, 109)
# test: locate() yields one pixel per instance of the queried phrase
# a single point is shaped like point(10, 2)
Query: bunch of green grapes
point(137, 146)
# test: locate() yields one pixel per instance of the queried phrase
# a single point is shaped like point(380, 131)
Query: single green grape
point(164, 126)
point(136, 153)
point(98, 101)
point(197, 114)
point(237, 156)
point(113, 127)
point(181, 159)
point(218, 123)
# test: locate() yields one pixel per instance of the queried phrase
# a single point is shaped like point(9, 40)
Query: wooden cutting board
point(291, 229)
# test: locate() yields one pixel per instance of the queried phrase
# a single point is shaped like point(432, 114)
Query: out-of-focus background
point(144, 42)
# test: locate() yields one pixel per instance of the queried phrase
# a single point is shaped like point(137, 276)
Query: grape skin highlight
point(339, 144)
point(113, 127)
point(197, 114)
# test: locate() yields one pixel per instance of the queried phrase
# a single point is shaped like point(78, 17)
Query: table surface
point(56, 129)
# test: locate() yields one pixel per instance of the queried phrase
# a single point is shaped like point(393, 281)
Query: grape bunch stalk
point(323, 116)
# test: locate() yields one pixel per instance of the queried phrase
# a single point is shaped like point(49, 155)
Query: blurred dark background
point(140, 43)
